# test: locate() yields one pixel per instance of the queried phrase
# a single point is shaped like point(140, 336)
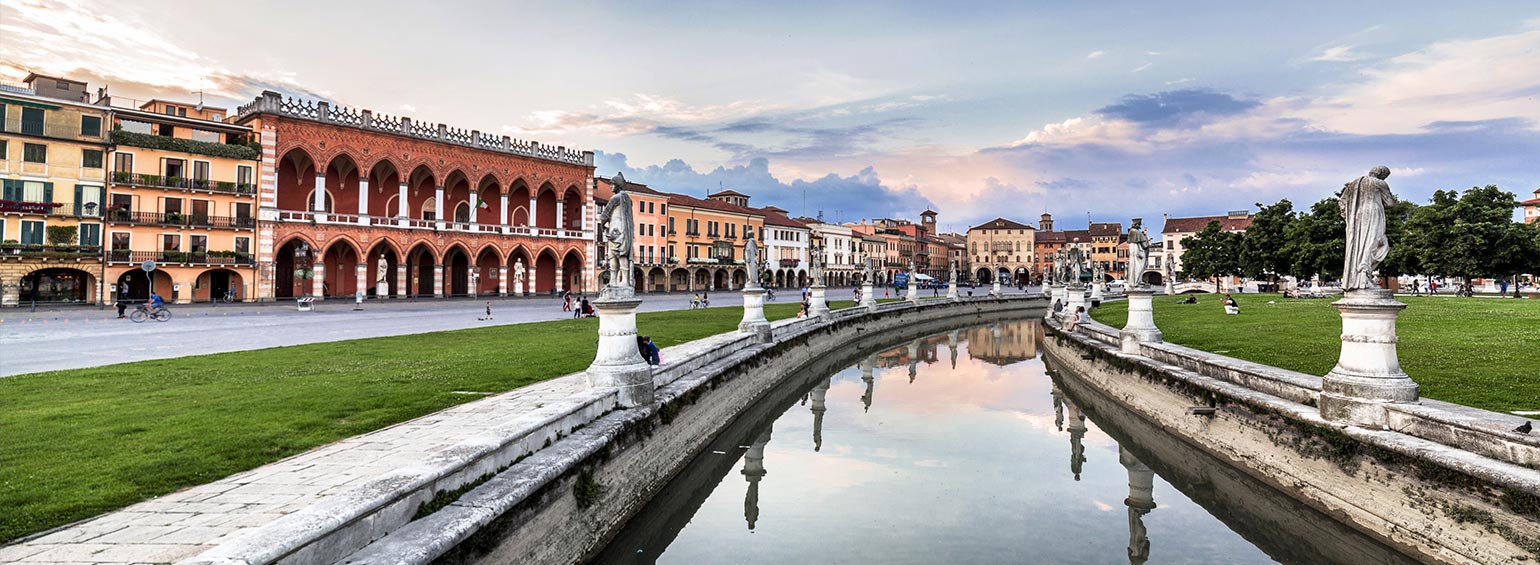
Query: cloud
point(1338, 54)
point(1095, 54)
point(1141, 68)
point(1175, 107)
point(1178, 81)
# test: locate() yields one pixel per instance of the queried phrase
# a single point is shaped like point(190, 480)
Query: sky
point(1090, 111)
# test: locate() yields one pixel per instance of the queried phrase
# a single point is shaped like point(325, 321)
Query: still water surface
point(955, 448)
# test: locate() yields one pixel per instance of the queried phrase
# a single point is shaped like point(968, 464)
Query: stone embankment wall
point(1441, 483)
point(562, 501)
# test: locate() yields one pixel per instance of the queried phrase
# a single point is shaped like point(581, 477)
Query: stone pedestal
point(1096, 293)
point(1055, 294)
point(819, 301)
point(618, 364)
point(1074, 297)
point(754, 321)
point(912, 293)
point(951, 291)
point(995, 290)
point(1368, 373)
point(868, 299)
point(1141, 320)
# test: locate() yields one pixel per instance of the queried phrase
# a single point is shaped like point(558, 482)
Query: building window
point(32, 121)
point(243, 245)
point(120, 241)
point(90, 235)
point(170, 242)
point(200, 244)
point(31, 232)
point(243, 175)
point(91, 126)
point(91, 158)
point(123, 162)
point(34, 153)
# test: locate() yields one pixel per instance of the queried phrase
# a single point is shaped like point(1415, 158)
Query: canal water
point(964, 447)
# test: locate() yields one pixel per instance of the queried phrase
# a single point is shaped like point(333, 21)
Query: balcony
point(180, 220)
point(34, 207)
point(205, 185)
point(172, 257)
point(37, 250)
point(249, 152)
point(311, 217)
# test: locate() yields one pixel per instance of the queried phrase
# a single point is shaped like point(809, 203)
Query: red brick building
point(408, 208)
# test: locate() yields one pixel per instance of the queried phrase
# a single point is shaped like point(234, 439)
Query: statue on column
point(751, 261)
point(952, 273)
point(616, 224)
point(1363, 205)
point(1074, 262)
point(1170, 269)
point(1138, 252)
point(816, 267)
point(380, 270)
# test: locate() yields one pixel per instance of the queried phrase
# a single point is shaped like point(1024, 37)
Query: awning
point(923, 277)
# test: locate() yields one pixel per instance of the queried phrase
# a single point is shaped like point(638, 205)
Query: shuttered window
point(32, 121)
point(90, 235)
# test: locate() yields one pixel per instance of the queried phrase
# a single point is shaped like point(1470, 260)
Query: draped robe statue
point(1074, 261)
point(1363, 205)
point(616, 224)
point(816, 268)
point(751, 261)
point(1138, 252)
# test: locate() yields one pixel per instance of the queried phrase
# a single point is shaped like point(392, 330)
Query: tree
point(1316, 242)
point(1212, 252)
point(1263, 249)
point(1403, 258)
point(1470, 235)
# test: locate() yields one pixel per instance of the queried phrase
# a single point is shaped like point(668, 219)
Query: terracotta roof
point(775, 219)
point(1196, 224)
point(604, 189)
point(676, 200)
point(1106, 229)
point(1001, 224)
point(1531, 202)
point(727, 193)
point(1049, 237)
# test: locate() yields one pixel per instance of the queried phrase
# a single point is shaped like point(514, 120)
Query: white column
point(363, 196)
point(560, 284)
point(503, 201)
point(402, 283)
point(561, 223)
point(502, 281)
point(474, 208)
point(532, 211)
point(529, 279)
point(361, 278)
point(438, 281)
point(318, 199)
point(401, 202)
point(438, 205)
point(317, 284)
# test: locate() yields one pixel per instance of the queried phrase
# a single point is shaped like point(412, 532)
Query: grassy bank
point(77, 443)
point(1477, 352)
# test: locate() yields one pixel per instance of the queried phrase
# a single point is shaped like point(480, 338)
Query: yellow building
point(53, 147)
point(705, 241)
point(1002, 248)
point(183, 195)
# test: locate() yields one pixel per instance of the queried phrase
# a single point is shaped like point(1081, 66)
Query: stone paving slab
point(185, 523)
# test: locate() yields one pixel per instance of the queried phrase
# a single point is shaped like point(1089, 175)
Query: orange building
point(353, 201)
point(1532, 208)
point(651, 244)
point(705, 242)
point(182, 194)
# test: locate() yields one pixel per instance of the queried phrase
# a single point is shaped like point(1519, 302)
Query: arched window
point(463, 212)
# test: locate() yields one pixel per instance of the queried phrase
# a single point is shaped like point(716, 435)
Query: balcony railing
point(180, 219)
point(417, 223)
point(158, 181)
point(50, 251)
point(790, 263)
point(181, 257)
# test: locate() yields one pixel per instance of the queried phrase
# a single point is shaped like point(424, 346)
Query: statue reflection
point(1004, 343)
point(1140, 501)
point(753, 471)
point(1077, 431)
point(914, 358)
point(866, 377)
point(1058, 407)
point(819, 392)
point(951, 345)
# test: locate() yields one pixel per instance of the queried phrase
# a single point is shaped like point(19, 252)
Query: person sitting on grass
point(1231, 307)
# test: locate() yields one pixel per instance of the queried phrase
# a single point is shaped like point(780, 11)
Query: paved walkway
point(76, 338)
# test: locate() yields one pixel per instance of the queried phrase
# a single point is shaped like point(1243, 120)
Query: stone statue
point(518, 270)
point(616, 224)
point(751, 260)
point(1074, 262)
point(1057, 276)
point(1363, 205)
point(816, 268)
point(380, 270)
point(1138, 252)
point(1170, 269)
point(952, 273)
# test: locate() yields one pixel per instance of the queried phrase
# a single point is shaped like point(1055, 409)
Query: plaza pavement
point(80, 337)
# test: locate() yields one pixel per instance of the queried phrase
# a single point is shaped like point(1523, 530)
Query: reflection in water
point(1140, 501)
point(964, 451)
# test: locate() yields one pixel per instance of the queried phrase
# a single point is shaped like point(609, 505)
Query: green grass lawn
point(74, 444)
point(1477, 352)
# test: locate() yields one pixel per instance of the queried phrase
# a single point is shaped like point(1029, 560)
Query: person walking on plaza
point(705, 300)
point(121, 306)
point(489, 311)
point(1432, 287)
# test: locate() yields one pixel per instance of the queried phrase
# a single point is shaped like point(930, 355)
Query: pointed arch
point(296, 179)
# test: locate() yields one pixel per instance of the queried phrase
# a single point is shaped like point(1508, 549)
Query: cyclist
point(156, 303)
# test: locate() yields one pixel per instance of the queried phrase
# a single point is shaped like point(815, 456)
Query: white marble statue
point(380, 270)
point(751, 261)
point(616, 224)
point(952, 272)
point(1363, 205)
point(815, 270)
point(1074, 262)
point(1138, 252)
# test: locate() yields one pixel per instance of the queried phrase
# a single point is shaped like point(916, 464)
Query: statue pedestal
point(995, 290)
point(951, 290)
point(1056, 294)
point(868, 299)
point(1074, 297)
point(618, 363)
point(912, 293)
point(1368, 373)
point(820, 302)
point(1096, 292)
point(1141, 320)
point(754, 321)
point(382, 289)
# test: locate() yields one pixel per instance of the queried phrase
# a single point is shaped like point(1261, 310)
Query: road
point(75, 338)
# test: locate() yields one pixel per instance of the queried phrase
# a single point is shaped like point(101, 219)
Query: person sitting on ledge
point(1079, 318)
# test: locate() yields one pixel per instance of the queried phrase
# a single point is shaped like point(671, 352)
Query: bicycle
point(142, 312)
point(228, 297)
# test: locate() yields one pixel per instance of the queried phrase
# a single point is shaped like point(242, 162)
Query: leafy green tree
point(1316, 242)
point(1263, 250)
point(1403, 258)
point(1471, 235)
point(1212, 252)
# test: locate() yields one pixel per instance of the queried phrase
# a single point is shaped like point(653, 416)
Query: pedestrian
point(1058, 306)
point(581, 305)
point(585, 309)
point(648, 350)
point(489, 311)
point(566, 302)
point(705, 300)
point(121, 307)
point(1432, 287)
point(1504, 286)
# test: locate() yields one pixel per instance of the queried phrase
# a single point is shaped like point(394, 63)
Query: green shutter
point(10, 191)
point(47, 192)
point(78, 194)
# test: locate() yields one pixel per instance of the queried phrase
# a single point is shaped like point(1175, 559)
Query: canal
point(966, 447)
